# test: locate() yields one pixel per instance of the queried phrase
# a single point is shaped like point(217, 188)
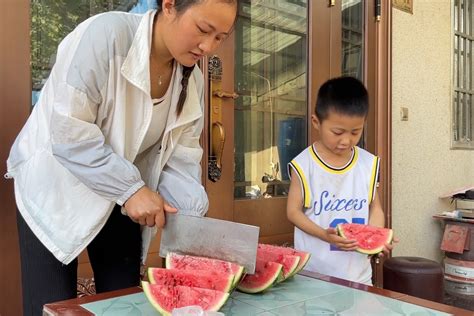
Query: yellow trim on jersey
point(373, 178)
point(330, 169)
point(304, 184)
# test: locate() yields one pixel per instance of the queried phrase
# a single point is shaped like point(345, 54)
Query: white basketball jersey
point(332, 196)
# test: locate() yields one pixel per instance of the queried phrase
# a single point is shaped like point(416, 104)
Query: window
point(271, 112)
point(463, 106)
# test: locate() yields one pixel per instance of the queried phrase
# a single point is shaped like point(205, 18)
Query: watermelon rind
point(340, 232)
point(238, 276)
point(269, 282)
point(289, 262)
point(204, 278)
point(151, 299)
point(292, 269)
point(148, 293)
point(304, 256)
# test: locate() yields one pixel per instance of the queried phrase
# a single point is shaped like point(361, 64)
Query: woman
point(115, 131)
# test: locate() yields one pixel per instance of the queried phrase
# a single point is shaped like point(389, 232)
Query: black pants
point(115, 256)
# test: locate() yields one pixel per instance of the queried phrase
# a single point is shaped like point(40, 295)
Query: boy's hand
point(388, 247)
point(334, 239)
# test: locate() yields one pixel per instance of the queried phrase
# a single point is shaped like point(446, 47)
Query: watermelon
point(370, 239)
point(289, 262)
point(304, 256)
point(266, 274)
point(203, 279)
point(165, 298)
point(187, 263)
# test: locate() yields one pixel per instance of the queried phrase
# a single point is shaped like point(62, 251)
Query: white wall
point(423, 164)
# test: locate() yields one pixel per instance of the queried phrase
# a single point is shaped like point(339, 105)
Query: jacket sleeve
point(79, 79)
point(180, 181)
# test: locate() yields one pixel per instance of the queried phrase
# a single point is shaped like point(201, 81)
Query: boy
point(333, 181)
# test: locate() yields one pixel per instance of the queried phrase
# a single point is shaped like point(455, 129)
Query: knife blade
point(210, 237)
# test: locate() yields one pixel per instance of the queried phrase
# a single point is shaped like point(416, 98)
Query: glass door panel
point(353, 38)
point(352, 44)
point(271, 79)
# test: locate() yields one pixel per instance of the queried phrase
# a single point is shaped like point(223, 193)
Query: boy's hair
point(344, 95)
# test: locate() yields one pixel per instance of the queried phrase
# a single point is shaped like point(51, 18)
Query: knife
point(212, 238)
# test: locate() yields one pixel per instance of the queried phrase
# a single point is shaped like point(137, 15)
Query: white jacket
point(72, 161)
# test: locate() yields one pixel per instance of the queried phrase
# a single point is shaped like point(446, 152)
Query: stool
point(414, 276)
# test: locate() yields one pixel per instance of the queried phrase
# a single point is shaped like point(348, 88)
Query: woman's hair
point(181, 6)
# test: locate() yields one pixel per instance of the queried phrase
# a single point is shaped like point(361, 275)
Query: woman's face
point(199, 30)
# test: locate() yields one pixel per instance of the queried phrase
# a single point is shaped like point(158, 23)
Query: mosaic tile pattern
point(299, 296)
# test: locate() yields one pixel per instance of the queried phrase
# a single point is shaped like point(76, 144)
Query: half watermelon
point(266, 274)
point(304, 256)
point(289, 262)
point(193, 263)
point(166, 298)
point(370, 239)
point(198, 278)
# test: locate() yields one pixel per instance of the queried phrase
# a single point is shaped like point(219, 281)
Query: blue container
point(291, 141)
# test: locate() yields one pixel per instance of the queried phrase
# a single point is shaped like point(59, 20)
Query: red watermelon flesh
point(289, 262)
point(370, 239)
point(166, 298)
point(304, 256)
point(192, 263)
point(266, 274)
point(203, 279)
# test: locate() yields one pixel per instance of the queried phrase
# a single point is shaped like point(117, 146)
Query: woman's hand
point(147, 207)
point(333, 238)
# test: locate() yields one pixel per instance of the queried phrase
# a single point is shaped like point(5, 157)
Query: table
point(454, 219)
point(305, 294)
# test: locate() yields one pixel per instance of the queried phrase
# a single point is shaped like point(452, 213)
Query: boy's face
point(338, 133)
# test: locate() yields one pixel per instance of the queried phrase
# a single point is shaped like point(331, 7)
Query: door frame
point(15, 100)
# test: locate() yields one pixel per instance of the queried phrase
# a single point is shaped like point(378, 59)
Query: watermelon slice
point(370, 239)
point(289, 262)
point(166, 298)
point(304, 256)
point(203, 279)
point(266, 274)
point(189, 263)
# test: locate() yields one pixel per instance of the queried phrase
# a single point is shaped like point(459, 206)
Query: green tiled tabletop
point(298, 296)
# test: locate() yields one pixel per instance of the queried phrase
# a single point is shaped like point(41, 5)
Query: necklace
point(160, 77)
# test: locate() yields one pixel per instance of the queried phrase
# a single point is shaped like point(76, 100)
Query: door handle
point(224, 94)
point(218, 140)
point(217, 131)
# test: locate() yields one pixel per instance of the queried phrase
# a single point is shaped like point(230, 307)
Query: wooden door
point(271, 68)
point(263, 109)
point(14, 109)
